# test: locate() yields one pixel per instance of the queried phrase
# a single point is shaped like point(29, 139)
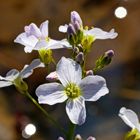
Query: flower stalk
point(57, 125)
point(70, 135)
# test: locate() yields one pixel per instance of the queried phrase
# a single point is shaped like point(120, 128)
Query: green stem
point(46, 114)
point(70, 135)
point(83, 66)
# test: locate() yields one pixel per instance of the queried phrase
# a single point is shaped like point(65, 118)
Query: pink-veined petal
point(32, 29)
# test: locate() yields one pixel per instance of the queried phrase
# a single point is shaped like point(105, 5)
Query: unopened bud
point(76, 17)
point(80, 58)
point(89, 72)
point(52, 77)
point(80, 47)
point(104, 60)
point(76, 50)
point(91, 138)
point(60, 138)
point(45, 56)
point(78, 137)
point(109, 53)
point(76, 26)
point(71, 30)
point(107, 57)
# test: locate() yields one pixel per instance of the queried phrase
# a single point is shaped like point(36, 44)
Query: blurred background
point(17, 113)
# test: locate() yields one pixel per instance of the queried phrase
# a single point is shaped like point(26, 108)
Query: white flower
point(97, 33)
point(130, 118)
point(74, 89)
point(13, 74)
point(35, 38)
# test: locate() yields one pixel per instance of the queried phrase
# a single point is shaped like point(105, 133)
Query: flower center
point(72, 90)
point(47, 39)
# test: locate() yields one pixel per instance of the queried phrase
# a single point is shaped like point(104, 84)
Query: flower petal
point(76, 110)
point(28, 41)
point(130, 118)
point(28, 69)
point(93, 87)
point(51, 93)
point(32, 29)
point(2, 78)
point(12, 72)
point(5, 83)
point(68, 71)
point(65, 43)
point(100, 34)
point(52, 44)
point(63, 28)
point(41, 44)
point(12, 75)
point(44, 29)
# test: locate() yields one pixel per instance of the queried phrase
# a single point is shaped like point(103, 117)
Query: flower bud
point(78, 137)
point(80, 47)
point(76, 26)
point(107, 57)
point(20, 85)
point(52, 77)
point(71, 30)
point(89, 72)
point(45, 56)
point(76, 50)
point(75, 17)
point(91, 138)
point(60, 138)
point(109, 53)
point(103, 60)
point(80, 58)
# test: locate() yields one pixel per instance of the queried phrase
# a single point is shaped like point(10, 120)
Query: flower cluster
point(71, 82)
